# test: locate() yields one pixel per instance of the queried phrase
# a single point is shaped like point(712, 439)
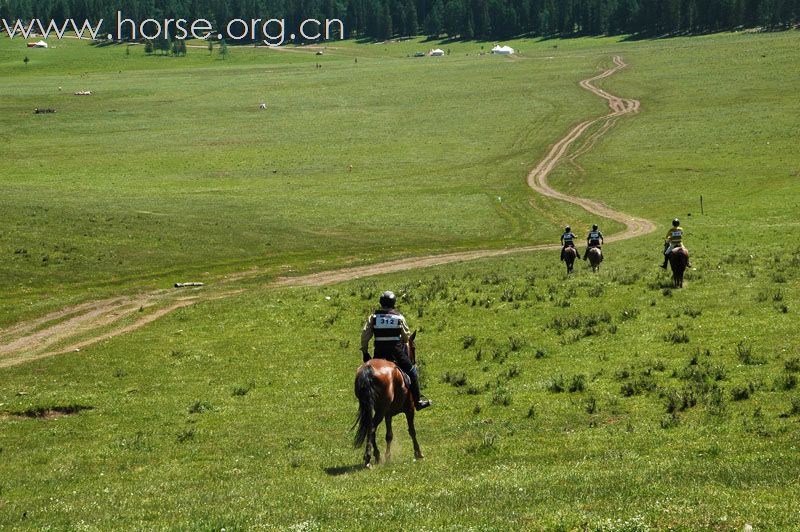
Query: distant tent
point(40, 44)
point(502, 50)
point(436, 53)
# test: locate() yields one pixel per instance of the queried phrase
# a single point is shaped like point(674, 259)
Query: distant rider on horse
point(391, 340)
point(568, 241)
point(593, 240)
point(673, 240)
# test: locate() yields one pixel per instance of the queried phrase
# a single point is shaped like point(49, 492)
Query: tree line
point(456, 19)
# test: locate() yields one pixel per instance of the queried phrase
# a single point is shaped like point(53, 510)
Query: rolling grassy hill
point(608, 401)
point(171, 170)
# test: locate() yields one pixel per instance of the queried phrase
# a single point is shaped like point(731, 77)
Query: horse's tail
point(366, 404)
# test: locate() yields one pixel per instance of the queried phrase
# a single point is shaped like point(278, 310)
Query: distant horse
point(595, 258)
point(382, 393)
point(678, 259)
point(569, 255)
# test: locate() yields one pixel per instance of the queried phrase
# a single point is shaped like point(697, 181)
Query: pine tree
point(413, 22)
point(486, 22)
point(386, 31)
point(469, 26)
point(433, 22)
point(454, 18)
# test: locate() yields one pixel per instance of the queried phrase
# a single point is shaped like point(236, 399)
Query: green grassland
point(608, 401)
point(715, 122)
point(171, 172)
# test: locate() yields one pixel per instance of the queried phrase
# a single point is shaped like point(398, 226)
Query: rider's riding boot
point(419, 401)
point(665, 263)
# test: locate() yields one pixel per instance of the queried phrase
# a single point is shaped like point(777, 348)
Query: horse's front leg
point(389, 437)
point(413, 433)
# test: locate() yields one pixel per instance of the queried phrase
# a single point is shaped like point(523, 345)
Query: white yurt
point(502, 50)
point(436, 53)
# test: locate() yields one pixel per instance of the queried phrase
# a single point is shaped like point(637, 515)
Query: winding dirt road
point(73, 328)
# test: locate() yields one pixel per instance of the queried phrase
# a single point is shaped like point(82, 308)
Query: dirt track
point(74, 328)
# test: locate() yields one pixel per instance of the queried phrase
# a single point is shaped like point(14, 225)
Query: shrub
point(795, 406)
point(512, 372)
point(596, 291)
point(556, 385)
point(591, 405)
point(692, 313)
point(516, 343)
point(671, 421)
point(740, 393)
point(455, 379)
point(786, 382)
point(198, 407)
point(679, 400)
point(622, 374)
point(186, 435)
point(241, 391)
point(641, 384)
point(501, 397)
point(487, 446)
point(678, 336)
point(792, 365)
point(578, 383)
point(468, 341)
point(744, 352)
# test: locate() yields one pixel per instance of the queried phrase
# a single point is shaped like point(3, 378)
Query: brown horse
point(382, 394)
point(678, 260)
point(595, 256)
point(569, 254)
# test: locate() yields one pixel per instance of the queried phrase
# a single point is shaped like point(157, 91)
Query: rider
point(674, 239)
point(593, 240)
point(391, 338)
point(568, 240)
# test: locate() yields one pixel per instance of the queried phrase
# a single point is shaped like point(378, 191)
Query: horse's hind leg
point(413, 433)
point(389, 438)
point(367, 457)
point(375, 422)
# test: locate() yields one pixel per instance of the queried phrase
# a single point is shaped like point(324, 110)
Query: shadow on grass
point(343, 470)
